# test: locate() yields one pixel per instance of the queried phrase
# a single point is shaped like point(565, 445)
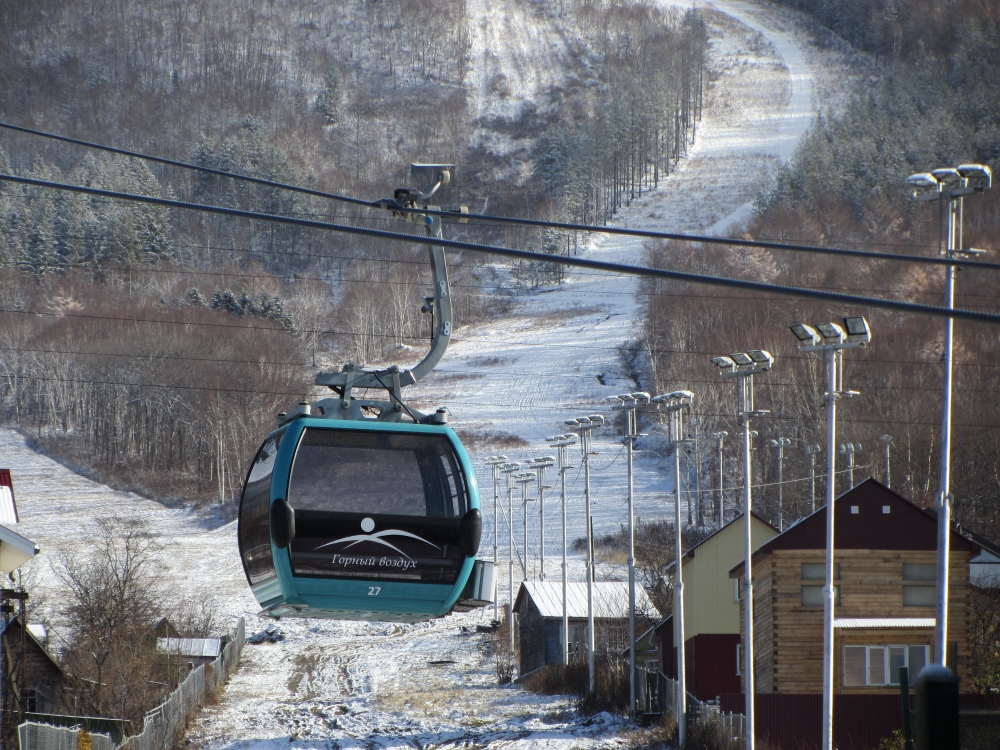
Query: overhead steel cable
point(537, 223)
point(621, 268)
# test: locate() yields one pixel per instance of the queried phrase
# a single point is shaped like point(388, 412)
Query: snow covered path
point(345, 685)
point(557, 356)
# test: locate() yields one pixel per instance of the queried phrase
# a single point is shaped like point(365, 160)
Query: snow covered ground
point(331, 684)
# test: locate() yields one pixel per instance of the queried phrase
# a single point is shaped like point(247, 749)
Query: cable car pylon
point(367, 509)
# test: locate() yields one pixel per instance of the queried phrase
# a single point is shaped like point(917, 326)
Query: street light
point(586, 426)
point(695, 422)
point(886, 440)
point(951, 185)
point(539, 465)
point(495, 462)
point(744, 367)
point(849, 449)
point(720, 437)
point(628, 403)
point(509, 470)
point(812, 450)
point(675, 404)
point(562, 443)
point(780, 443)
point(831, 339)
point(524, 478)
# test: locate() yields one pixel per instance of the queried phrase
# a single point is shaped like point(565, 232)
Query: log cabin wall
point(789, 635)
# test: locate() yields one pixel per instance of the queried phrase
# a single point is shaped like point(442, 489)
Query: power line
point(622, 268)
point(568, 226)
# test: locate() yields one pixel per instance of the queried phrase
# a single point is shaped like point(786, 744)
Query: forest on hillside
point(935, 103)
point(153, 347)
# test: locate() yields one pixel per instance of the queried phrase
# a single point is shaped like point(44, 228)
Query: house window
point(817, 571)
point(919, 572)
point(876, 666)
point(919, 596)
point(739, 659)
point(30, 701)
point(812, 596)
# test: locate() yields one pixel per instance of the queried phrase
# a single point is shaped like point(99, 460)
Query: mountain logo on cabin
point(368, 526)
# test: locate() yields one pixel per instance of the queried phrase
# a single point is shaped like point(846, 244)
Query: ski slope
point(347, 685)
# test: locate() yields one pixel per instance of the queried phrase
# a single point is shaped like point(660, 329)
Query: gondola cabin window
point(377, 505)
point(255, 535)
point(377, 472)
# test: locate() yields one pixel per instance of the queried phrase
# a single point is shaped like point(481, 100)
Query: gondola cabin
point(362, 521)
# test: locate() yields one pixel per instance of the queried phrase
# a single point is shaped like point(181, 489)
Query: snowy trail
point(345, 685)
point(557, 356)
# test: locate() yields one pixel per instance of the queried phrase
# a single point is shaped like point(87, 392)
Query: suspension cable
point(537, 223)
point(621, 268)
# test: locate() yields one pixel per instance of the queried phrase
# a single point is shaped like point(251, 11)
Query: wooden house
point(539, 611)
point(885, 576)
point(711, 611)
point(31, 669)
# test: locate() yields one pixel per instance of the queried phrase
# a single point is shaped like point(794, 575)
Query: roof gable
point(15, 622)
point(610, 599)
point(862, 522)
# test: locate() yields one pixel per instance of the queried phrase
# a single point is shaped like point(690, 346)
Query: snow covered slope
point(330, 684)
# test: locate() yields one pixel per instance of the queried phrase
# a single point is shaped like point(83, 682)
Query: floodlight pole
point(695, 422)
point(591, 638)
point(586, 425)
point(886, 441)
point(812, 450)
point(832, 343)
point(509, 470)
point(494, 462)
point(780, 443)
point(721, 517)
point(628, 403)
point(679, 586)
point(744, 369)
point(675, 404)
point(562, 442)
point(832, 395)
point(524, 479)
point(951, 185)
point(945, 498)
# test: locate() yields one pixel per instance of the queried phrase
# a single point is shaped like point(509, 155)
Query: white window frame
point(885, 661)
point(739, 659)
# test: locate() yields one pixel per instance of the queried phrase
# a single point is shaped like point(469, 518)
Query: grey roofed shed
point(610, 599)
point(539, 609)
point(199, 648)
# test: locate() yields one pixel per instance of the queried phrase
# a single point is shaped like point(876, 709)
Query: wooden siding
point(41, 674)
point(531, 633)
point(789, 637)
point(710, 604)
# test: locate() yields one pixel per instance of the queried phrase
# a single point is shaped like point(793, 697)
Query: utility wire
point(568, 226)
point(622, 268)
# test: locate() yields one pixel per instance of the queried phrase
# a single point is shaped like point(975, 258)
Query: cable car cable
point(536, 223)
point(622, 268)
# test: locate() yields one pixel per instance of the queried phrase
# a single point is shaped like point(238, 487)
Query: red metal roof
point(861, 522)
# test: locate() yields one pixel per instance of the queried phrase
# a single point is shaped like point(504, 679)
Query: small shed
point(539, 610)
point(195, 651)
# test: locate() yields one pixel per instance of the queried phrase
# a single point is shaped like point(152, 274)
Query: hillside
point(517, 376)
